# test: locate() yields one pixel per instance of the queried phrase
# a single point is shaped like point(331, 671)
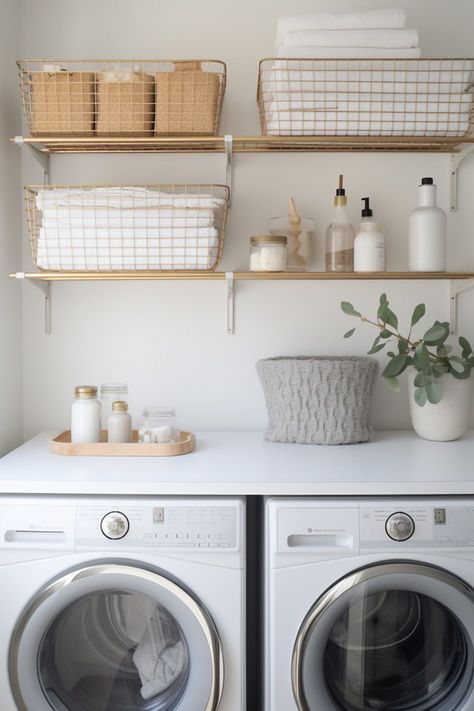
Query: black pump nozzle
point(427, 181)
point(366, 212)
point(340, 190)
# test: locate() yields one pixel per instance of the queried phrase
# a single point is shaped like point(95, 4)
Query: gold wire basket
point(366, 97)
point(126, 228)
point(122, 97)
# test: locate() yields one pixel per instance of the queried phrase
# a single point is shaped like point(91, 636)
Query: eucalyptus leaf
point(391, 319)
point(385, 334)
point(393, 383)
point(395, 366)
point(418, 314)
point(420, 380)
point(465, 345)
point(433, 393)
point(436, 335)
point(348, 334)
point(348, 309)
point(420, 396)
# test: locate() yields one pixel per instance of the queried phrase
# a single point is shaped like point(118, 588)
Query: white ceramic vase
point(449, 418)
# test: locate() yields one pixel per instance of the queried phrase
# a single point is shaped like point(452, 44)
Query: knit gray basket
point(318, 399)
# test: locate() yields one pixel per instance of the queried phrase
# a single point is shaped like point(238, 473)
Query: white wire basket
point(133, 98)
point(366, 97)
point(126, 228)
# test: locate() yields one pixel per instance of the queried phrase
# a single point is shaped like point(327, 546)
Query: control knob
point(400, 526)
point(114, 525)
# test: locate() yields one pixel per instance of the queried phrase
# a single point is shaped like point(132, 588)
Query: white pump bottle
point(427, 232)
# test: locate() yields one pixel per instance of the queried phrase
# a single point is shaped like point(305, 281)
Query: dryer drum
point(395, 650)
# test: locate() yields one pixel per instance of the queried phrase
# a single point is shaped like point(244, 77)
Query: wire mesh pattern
point(126, 228)
point(139, 98)
point(366, 97)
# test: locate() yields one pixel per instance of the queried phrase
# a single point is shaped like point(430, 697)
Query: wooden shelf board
point(244, 144)
point(243, 276)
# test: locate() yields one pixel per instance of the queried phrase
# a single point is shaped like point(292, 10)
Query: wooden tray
point(61, 444)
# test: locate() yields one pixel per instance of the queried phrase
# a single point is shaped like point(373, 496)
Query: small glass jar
point(159, 424)
point(120, 423)
point(85, 415)
point(109, 393)
point(299, 237)
point(268, 253)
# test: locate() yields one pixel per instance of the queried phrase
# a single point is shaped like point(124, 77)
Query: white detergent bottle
point(369, 244)
point(427, 232)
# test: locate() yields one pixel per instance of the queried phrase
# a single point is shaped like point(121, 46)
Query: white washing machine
point(125, 604)
point(369, 604)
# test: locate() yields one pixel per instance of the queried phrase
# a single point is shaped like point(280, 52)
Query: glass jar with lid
point(160, 425)
point(268, 253)
point(109, 393)
point(85, 415)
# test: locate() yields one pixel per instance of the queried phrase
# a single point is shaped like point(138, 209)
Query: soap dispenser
point(369, 244)
point(340, 235)
point(427, 232)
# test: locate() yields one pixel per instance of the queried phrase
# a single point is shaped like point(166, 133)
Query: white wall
point(168, 340)
point(10, 233)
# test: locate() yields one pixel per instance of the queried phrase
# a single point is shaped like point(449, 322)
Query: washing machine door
point(115, 637)
point(397, 636)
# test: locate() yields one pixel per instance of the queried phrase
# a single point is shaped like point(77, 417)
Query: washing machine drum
point(114, 651)
point(386, 640)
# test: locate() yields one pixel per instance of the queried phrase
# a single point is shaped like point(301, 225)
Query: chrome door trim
point(205, 621)
point(351, 580)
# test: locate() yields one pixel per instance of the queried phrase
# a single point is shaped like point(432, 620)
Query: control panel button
point(114, 525)
point(400, 526)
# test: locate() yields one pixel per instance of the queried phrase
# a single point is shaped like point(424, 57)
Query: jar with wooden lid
point(268, 253)
point(119, 427)
point(85, 415)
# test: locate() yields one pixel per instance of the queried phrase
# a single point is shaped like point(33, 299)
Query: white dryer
point(125, 604)
point(369, 604)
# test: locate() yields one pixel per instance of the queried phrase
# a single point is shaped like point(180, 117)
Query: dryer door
point(115, 637)
point(396, 636)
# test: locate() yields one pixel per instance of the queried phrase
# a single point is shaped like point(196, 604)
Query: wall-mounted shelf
point(458, 282)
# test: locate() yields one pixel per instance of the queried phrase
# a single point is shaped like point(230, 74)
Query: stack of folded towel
point(126, 228)
point(375, 34)
point(359, 74)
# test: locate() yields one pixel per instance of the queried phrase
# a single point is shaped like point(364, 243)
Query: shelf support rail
point(228, 143)
point(456, 286)
point(45, 287)
point(456, 160)
point(230, 286)
point(38, 155)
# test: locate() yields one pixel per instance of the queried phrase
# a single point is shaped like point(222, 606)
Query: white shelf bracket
point(230, 285)
point(38, 155)
point(45, 287)
point(456, 286)
point(228, 143)
point(456, 160)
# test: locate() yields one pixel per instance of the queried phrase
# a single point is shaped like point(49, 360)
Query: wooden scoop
point(294, 232)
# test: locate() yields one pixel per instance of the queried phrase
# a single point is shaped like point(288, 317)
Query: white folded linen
point(349, 52)
point(123, 197)
point(376, 19)
point(351, 38)
point(370, 124)
point(64, 233)
point(128, 217)
point(426, 76)
point(453, 104)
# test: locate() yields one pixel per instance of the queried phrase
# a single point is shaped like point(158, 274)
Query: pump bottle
point(369, 244)
point(340, 235)
point(427, 232)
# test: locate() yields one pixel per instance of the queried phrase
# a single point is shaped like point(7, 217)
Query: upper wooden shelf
point(243, 144)
point(256, 276)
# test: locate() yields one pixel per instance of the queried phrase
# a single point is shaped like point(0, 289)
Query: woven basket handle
point(188, 67)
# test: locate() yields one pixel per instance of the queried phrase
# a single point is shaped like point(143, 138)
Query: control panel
point(159, 526)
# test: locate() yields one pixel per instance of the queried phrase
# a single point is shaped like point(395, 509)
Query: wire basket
point(122, 97)
point(123, 228)
point(366, 97)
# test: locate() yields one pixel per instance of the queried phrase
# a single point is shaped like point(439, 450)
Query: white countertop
point(240, 463)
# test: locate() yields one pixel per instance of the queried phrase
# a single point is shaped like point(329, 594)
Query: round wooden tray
point(61, 444)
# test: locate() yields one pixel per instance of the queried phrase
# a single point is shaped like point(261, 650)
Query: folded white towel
point(453, 104)
point(113, 217)
point(369, 124)
point(351, 38)
point(123, 197)
point(376, 19)
point(349, 52)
